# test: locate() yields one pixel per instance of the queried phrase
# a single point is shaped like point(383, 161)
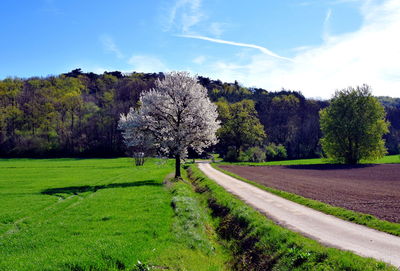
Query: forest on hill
point(76, 114)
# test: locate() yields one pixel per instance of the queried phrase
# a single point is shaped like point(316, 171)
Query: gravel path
point(326, 229)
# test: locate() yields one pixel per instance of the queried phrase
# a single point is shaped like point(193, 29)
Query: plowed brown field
point(371, 189)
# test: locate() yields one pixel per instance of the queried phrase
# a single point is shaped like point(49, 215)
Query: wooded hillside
point(76, 114)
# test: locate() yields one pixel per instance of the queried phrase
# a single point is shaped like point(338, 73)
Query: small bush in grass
point(231, 155)
point(253, 154)
point(256, 154)
point(243, 157)
point(275, 152)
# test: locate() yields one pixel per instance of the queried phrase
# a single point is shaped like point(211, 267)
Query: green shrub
point(243, 157)
point(234, 156)
point(255, 154)
point(275, 152)
point(231, 155)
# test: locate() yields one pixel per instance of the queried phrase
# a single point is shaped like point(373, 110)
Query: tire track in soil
point(15, 228)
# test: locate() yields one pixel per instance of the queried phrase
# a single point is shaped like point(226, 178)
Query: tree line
point(76, 114)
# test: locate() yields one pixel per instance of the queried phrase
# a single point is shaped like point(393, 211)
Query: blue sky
point(315, 46)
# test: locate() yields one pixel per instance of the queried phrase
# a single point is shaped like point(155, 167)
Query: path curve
point(326, 229)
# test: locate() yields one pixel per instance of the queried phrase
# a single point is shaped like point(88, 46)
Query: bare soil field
point(370, 189)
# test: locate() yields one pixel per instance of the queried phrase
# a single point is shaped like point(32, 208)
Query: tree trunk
point(178, 166)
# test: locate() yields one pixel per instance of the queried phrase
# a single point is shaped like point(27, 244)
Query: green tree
point(67, 99)
point(353, 125)
point(241, 128)
point(10, 113)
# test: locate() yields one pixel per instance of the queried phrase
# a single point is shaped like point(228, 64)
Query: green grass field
point(389, 159)
point(106, 214)
point(96, 214)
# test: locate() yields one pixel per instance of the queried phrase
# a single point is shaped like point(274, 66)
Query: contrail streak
point(262, 49)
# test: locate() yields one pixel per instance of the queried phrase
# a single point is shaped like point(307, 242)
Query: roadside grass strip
point(345, 214)
point(258, 243)
point(193, 226)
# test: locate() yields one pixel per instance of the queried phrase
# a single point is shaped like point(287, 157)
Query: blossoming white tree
point(173, 116)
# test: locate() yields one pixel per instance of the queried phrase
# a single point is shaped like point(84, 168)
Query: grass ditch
point(345, 214)
point(257, 243)
point(192, 223)
point(193, 227)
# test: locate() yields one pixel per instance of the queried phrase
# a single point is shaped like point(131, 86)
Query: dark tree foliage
point(291, 120)
point(392, 139)
point(389, 102)
point(392, 107)
point(240, 130)
point(76, 114)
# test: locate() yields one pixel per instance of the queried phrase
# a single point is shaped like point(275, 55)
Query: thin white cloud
point(110, 46)
point(199, 60)
point(260, 48)
point(189, 17)
point(183, 15)
point(328, 16)
point(301, 48)
point(369, 55)
point(147, 63)
point(326, 30)
point(217, 28)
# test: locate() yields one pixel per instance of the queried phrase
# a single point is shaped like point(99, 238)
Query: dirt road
point(326, 229)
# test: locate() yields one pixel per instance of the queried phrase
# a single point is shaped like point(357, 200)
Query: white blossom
point(173, 116)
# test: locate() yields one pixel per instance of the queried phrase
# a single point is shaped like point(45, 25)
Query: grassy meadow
point(98, 214)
